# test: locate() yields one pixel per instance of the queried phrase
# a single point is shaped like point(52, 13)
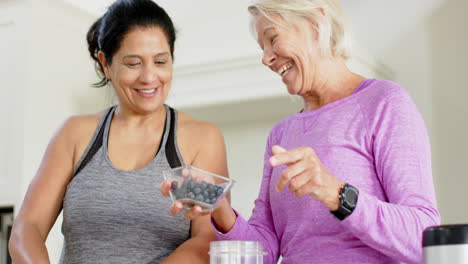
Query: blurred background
point(46, 76)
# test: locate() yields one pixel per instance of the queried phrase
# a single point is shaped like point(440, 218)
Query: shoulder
point(77, 131)
point(82, 122)
point(389, 104)
point(199, 129)
point(77, 126)
point(382, 91)
point(196, 136)
point(202, 144)
point(382, 96)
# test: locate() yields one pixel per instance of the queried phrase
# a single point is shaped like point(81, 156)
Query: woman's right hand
point(223, 215)
point(177, 206)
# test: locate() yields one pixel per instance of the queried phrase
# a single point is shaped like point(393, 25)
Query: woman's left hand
point(306, 174)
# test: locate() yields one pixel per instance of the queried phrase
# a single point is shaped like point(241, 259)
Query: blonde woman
point(348, 178)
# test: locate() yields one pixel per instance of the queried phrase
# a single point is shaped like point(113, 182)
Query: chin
point(154, 108)
point(149, 108)
point(293, 90)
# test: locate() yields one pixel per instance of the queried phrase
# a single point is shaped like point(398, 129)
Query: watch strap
point(345, 208)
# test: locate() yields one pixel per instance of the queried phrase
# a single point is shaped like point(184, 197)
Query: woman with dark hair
point(104, 170)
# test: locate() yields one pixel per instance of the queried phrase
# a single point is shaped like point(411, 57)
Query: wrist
point(224, 217)
point(348, 200)
point(332, 200)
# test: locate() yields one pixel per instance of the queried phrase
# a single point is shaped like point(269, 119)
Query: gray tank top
point(116, 216)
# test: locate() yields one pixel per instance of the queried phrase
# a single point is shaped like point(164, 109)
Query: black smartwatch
point(348, 200)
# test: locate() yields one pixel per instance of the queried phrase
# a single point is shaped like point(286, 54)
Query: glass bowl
point(193, 186)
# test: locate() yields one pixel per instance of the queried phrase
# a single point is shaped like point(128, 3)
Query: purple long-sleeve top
point(375, 140)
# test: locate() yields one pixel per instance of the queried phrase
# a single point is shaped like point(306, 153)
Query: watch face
point(351, 196)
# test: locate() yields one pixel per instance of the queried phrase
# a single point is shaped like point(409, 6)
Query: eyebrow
point(138, 56)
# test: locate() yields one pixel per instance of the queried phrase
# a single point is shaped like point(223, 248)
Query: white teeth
point(284, 69)
point(147, 91)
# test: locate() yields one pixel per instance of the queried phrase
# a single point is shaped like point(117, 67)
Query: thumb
point(277, 149)
point(165, 187)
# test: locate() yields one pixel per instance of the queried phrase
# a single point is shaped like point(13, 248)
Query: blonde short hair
point(331, 27)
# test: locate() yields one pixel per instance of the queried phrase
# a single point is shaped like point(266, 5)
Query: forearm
point(395, 230)
point(195, 250)
point(27, 245)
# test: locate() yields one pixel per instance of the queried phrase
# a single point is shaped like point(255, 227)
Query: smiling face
point(141, 70)
point(291, 50)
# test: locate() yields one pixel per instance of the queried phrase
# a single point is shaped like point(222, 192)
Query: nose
point(149, 74)
point(269, 57)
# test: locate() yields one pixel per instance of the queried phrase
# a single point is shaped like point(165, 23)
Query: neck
point(127, 117)
point(334, 82)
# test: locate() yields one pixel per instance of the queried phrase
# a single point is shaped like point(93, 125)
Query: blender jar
point(236, 252)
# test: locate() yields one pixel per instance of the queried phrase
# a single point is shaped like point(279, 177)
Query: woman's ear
point(312, 25)
point(323, 11)
point(102, 60)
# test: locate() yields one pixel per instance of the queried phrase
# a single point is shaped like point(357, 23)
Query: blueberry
point(191, 195)
point(199, 197)
point(197, 190)
point(184, 186)
point(201, 191)
point(190, 183)
point(174, 185)
point(219, 190)
point(177, 194)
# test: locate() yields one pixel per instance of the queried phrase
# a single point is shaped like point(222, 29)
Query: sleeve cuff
point(361, 218)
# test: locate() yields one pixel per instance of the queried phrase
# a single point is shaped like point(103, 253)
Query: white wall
point(448, 43)
point(13, 90)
